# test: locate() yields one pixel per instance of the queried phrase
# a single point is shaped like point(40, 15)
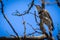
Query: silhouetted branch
point(58, 35)
point(10, 35)
point(2, 10)
point(27, 38)
point(33, 28)
point(24, 28)
point(36, 18)
point(58, 2)
point(48, 3)
point(34, 14)
point(38, 37)
point(31, 33)
point(34, 33)
point(32, 3)
point(43, 4)
point(26, 12)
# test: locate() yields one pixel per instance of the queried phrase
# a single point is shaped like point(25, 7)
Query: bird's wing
point(48, 15)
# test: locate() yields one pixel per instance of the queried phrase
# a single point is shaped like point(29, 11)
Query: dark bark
point(2, 10)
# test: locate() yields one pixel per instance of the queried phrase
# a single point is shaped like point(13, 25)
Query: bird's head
point(38, 7)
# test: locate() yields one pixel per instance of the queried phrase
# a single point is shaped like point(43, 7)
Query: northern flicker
point(45, 19)
point(45, 16)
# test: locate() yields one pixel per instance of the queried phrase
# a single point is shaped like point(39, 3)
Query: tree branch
point(2, 10)
point(26, 12)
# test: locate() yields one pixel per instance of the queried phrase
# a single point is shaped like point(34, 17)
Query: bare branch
point(26, 12)
point(36, 18)
point(58, 3)
point(2, 10)
point(43, 4)
point(31, 33)
point(37, 37)
point(27, 38)
point(32, 3)
point(34, 14)
point(34, 33)
point(24, 28)
point(33, 28)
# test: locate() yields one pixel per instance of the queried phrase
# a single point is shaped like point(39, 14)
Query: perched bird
point(45, 18)
point(43, 14)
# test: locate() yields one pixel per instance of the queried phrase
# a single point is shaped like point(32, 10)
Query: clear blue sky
point(11, 6)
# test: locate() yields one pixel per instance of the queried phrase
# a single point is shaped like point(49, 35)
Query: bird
point(45, 18)
point(44, 14)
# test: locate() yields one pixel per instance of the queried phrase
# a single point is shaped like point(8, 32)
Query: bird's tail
point(52, 26)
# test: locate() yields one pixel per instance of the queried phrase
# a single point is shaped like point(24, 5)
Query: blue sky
point(11, 6)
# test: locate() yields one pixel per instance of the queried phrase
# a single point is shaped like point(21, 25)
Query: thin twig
point(10, 34)
point(34, 14)
point(43, 4)
point(24, 28)
point(36, 18)
point(33, 28)
point(31, 33)
point(32, 3)
point(26, 12)
point(34, 33)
